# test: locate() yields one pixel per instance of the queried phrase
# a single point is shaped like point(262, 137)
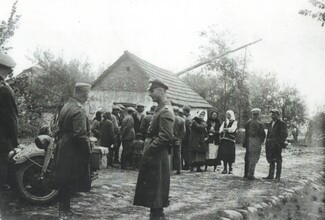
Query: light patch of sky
point(165, 33)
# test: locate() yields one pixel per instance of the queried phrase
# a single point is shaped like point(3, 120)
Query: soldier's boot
point(271, 171)
point(246, 169)
point(64, 210)
point(157, 214)
point(278, 170)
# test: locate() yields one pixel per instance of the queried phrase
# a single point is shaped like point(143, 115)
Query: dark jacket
point(127, 128)
point(72, 156)
point(179, 128)
point(106, 133)
point(153, 183)
point(188, 123)
point(8, 118)
point(137, 122)
point(275, 140)
point(213, 134)
point(95, 128)
point(145, 125)
point(198, 135)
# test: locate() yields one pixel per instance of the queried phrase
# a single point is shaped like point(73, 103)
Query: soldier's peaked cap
point(156, 83)
point(7, 61)
point(256, 110)
point(116, 107)
point(82, 87)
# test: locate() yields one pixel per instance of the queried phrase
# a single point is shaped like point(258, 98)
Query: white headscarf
point(232, 115)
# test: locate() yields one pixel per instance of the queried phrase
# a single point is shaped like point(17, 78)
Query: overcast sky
point(165, 33)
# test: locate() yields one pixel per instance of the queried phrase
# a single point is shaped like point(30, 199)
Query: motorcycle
point(30, 170)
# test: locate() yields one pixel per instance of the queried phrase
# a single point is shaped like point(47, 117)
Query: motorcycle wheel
point(31, 187)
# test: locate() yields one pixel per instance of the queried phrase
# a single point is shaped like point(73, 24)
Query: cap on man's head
point(82, 87)
point(121, 106)
point(275, 111)
point(7, 61)
point(186, 108)
point(256, 111)
point(107, 115)
point(130, 109)
point(116, 107)
point(156, 83)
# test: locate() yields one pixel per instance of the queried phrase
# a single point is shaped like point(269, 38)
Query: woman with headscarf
point(213, 130)
point(227, 150)
point(198, 141)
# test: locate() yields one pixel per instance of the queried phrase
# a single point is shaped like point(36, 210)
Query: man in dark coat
point(128, 135)
point(276, 136)
point(153, 184)
point(146, 121)
point(138, 117)
point(179, 132)
point(254, 138)
point(107, 136)
point(8, 118)
point(72, 156)
point(186, 151)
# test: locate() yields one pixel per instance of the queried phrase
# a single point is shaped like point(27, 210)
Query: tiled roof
point(179, 93)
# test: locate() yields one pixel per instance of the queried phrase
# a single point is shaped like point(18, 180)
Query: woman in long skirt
point(198, 141)
point(227, 150)
point(213, 129)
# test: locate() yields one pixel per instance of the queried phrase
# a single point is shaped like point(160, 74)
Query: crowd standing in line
point(147, 142)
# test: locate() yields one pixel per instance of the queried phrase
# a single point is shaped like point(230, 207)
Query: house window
point(128, 68)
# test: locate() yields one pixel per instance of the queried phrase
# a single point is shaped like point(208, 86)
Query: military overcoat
point(8, 118)
point(72, 157)
point(152, 188)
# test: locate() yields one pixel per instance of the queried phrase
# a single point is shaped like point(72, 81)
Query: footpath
point(207, 195)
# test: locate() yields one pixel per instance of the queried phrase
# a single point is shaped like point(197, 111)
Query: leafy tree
point(318, 15)
point(267, 93)
point(7, 28)
point(222, 82)
point(47, 86)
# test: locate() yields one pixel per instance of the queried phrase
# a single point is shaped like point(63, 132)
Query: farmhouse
point(126, 82)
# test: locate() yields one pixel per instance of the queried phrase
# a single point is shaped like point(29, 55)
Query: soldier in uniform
point(8, 118)
point(128, 136)
point(254, 138)
point(276, 136)
point(152, 189)
point(179, 132)
point(72, 156)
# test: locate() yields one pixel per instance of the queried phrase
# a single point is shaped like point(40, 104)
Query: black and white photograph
point(162, 109)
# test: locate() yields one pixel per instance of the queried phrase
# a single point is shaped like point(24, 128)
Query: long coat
point(198, 135)
point(8, 118)
point(72, 157)
point(275, 140)
point(254, 138)
point(145, 125)
point(153, 183)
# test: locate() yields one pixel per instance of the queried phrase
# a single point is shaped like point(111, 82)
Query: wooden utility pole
point(216, 57)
